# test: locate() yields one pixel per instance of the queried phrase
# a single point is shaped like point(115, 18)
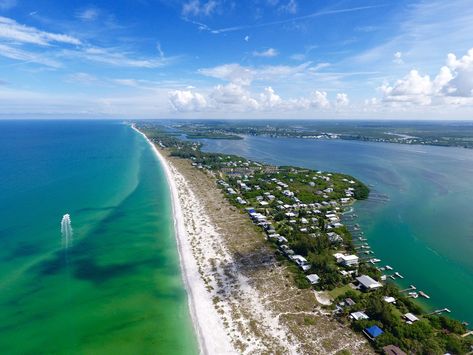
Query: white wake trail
point(66, 231)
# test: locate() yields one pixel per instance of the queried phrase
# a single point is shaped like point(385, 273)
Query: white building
point(313, 279)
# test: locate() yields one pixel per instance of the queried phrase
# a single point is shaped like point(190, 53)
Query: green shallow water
point(118, 289)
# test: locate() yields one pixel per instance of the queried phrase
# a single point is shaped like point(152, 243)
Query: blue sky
point(236, 59)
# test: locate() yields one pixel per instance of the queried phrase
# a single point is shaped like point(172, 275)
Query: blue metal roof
point(374, 331)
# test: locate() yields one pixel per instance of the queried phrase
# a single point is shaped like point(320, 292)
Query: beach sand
point(242, 300)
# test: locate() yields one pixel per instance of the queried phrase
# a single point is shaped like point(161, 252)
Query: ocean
point(419, 218)
point(113, 284)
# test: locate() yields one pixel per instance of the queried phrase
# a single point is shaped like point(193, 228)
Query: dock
point(438, 311)
point(423, 294)
point(467, 333)
point(411, 288)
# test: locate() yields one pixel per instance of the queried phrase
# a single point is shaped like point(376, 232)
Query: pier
point(411, 288)
point(467, 333)
point(439, 311)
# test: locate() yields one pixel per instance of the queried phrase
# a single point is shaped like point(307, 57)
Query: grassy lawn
point(340, 291)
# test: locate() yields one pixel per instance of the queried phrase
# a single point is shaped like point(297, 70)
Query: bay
point(419, 218)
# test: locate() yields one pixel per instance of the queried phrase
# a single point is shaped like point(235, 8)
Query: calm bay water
point(118, 288)
point(420, 217)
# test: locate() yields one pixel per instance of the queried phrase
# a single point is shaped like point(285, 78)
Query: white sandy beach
point(230, 313)
point(208, 326)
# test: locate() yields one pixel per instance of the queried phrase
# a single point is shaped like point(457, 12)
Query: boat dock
point(466, 334)
point(411, 288)
point(423, 294)
point(438, 311)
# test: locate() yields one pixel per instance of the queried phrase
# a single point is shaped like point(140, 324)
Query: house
point(313, 278)
point(367, 283)
point(301, 262)
point(389, 299)
point(358, 315)
point(393, 350)
point(373, 332)
point(346, 260)
point(350, 302)
point(240, 201)
point(410, 318)
point(288, 193)
point(333, 237)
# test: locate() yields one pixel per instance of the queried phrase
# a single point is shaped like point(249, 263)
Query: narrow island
point(270, 265)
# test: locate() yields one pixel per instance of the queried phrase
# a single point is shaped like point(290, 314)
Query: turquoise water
point(420, 217)
point(118, 288)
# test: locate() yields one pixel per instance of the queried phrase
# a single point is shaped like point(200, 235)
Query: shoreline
point(241, 298)
point(198, 300)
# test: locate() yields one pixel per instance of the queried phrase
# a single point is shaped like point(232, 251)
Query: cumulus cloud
point(342, 100)
point(461, 73)
point(236, 98)
point(238, 94)
point(320, 99)
point(13, 31)
point(196, 8)
point(269, 98)
point(268, 53)
point(453, 84)
point(186, 100)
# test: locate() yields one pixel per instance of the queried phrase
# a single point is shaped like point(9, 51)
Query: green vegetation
point(431, 334)
point(457, 134)
point(300, 212)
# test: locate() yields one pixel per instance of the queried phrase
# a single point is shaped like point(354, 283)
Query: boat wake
point(66, 231)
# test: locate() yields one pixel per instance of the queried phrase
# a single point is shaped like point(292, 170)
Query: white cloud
point(230, 72)
point(233, 98)
point(89, 14)
point(342, 100)
point(268, 53)
point(320, 99)
point(121, 59)
point(453, 82)
point(13, 31)
point(196, 8)
point(269, 98)
point(26, 56)
point(461, 72)
point(186, 100)
point(16, 37)
point(242, 75)
point(398, 58)
point(290, 7)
